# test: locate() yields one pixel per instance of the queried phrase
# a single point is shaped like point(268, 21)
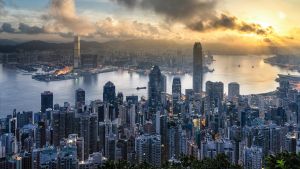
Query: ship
point(288, 77)
point(140, 88)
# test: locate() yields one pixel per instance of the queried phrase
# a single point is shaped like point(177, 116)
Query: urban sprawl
point(162, 127)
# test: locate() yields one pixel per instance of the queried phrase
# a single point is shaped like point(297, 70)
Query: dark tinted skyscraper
point(176, 94)
point(41, 134)
point(85, 133)
point(109, 92)
point(132, 99)
point(156, 85)
point(215, 93)
point(58, 126)
point(233, 90)
point(79, 98)
point(176, 86)
point(46, 101)
point(197, 67)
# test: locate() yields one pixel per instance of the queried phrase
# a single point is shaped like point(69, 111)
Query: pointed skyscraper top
point(198, 45)
point(197, 67)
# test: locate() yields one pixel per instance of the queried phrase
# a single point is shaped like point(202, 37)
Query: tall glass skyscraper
point(46, 100)
point(79, 98)
point(197, 68)
point(156, 85)
point(176, 94)
point(109, 93)
point(76, 55)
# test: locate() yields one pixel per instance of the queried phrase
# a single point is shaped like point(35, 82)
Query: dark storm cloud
point(7, 27)
point(177, 10)
point(22, 29)
point(196, 15)
point(231, 23)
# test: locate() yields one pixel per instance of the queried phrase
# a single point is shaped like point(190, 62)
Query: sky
point(249, 22)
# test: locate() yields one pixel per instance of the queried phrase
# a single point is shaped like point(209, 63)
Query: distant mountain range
point(8, 42)
point(9, 46)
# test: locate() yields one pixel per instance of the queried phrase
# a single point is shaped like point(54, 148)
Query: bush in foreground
point(283, 160)
point(186, 162)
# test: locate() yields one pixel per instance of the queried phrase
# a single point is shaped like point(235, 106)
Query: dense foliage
point(187, 162)
point(283, 160)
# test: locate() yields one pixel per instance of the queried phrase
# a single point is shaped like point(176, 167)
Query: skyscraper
point(176, 87)
point(85, 133)
point(109, 93)
point(58, 126)
point(148, 149)
point(215, 94)
point(252, 158)
point(46, 100)
point(233, 90)
point(93, 133)
point(197, 67)
point(176, 94)
point(156, 85)
point(41, 134)
point(79, 98)
point(76, 55)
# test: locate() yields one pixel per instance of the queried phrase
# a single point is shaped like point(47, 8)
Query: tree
point(284, 160)
point(186, 162)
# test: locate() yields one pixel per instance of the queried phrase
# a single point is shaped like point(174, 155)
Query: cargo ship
point(288, 77)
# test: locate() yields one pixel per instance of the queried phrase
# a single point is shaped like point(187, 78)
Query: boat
point(140, 88)
point(289, 77)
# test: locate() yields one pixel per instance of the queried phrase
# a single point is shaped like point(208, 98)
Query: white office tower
point(211, 148)
point(252, 158)
point(148, 149)
point(77, 57)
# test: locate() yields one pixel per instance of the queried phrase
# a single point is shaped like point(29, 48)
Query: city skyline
point(149, 84)
point(160, 130)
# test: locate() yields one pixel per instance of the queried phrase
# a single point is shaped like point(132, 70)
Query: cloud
point(22, 29)
point(109, 28)
point(231, 23)
point(7, 27)
point(63, 20)
point(62, 16)
point(175, 10)
point(2, 8)
point(106, 28)
point(196, 15)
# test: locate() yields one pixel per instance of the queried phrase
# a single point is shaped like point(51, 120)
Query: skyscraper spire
point(197, 67)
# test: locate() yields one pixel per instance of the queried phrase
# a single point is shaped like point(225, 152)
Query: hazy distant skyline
point(255, 22)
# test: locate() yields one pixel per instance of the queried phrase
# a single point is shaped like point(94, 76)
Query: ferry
point(288, 77)
point(140, 88)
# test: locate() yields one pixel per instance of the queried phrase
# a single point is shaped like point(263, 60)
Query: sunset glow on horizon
point(253, 22)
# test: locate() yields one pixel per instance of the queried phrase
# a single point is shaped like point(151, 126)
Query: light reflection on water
point(23, 93)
